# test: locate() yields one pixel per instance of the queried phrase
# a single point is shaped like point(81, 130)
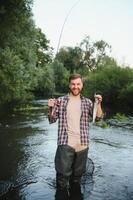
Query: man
point(73, 112)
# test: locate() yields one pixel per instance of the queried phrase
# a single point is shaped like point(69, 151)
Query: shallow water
point(27, 149)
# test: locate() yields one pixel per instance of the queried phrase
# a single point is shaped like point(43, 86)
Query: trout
point(95, 110)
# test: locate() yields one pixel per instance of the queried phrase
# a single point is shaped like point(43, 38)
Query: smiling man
point(73, 112)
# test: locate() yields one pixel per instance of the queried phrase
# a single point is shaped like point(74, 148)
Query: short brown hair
point(75, 76)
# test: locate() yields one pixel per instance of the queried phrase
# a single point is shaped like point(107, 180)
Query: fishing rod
point(62, 28)
point(58, 46)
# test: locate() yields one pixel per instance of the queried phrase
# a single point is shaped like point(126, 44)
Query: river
point(27, 149)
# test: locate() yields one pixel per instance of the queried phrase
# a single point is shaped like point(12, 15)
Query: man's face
point(76, 86)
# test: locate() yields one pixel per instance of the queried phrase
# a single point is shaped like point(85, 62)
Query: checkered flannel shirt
point(59, 112)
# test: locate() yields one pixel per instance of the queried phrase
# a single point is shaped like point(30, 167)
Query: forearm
point(99, 113)
point(51, 115)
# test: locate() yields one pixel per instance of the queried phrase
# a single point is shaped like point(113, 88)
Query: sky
point(108, 20)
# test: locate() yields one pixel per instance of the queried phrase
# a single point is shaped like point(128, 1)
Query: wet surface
point(27, 149)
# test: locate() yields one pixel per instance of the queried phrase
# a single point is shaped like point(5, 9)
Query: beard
point(75, 92)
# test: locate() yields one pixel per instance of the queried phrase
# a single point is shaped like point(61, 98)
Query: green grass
point(102, 124)
point(120, 117)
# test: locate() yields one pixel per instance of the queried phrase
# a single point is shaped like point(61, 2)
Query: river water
point(27, 149)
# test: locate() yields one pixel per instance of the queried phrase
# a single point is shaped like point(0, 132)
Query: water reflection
point(27, 149)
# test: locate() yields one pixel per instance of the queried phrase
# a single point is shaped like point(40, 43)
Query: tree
point(22, 48)
point(115, 84)
point(43, 51)
point(87, 56)
point(70, 57)
point(61, 75)
point(45, 85)
point(15, 20)
point(93, 52)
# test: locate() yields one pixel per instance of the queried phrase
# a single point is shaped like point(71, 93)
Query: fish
point(95, 110)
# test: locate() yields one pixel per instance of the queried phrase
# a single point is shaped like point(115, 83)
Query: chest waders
point(69, 166)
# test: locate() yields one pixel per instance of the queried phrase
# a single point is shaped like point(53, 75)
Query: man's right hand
point(51, 102)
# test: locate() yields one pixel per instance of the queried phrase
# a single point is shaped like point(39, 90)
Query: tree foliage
point(70, 57)
point(61, 75)
point(116, 86)
point(27, 66)
point(93, 52)
point(88, 55)
point(24, 49)
point(43, 51)
point(45, 85)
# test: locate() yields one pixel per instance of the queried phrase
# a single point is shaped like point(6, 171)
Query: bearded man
point(73, 112)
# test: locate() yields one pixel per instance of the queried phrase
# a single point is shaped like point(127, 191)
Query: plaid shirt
point(59, 112)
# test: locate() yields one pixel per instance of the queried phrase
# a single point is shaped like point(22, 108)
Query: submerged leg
point(79, 168)
point(63, 165)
